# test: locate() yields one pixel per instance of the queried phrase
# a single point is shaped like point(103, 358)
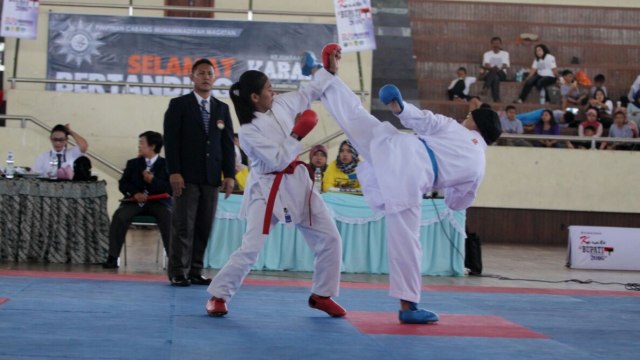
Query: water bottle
point(317, 180)
point(519, 75)
point(10, 170)
point(53, 166)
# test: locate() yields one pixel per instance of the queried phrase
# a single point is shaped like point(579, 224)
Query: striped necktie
point(205, 115)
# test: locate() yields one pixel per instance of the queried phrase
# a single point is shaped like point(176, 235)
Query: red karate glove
point(305, 122)
point(327, 50)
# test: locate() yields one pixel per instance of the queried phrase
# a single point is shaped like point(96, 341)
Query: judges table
point(54, 221)
point(363, 235)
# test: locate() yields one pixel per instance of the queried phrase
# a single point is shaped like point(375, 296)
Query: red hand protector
point(305, 122)
point(327, 50)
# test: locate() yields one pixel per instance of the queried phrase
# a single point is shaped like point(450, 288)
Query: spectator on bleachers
point(543, 73)
point(459, 87)
point(318, 160)
point(598, 83)
point(635, 88)
point(571, 92)
point(495, 64)
point(341, 173)
point(510, 123)
point(621, 128)
point(588, 131)
point(633, 108)
point(603, 105)
point(591, 121)
point(546, 126)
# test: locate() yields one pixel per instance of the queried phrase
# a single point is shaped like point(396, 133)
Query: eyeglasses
point(58, 139)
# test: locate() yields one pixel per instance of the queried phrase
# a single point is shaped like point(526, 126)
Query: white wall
point(516, 178)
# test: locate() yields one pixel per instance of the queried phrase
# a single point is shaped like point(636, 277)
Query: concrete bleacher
point(450, 34)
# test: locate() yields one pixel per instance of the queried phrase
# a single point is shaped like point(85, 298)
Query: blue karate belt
point(432, 156)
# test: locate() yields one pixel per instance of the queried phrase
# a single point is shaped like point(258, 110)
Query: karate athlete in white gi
point(400, 167)
point(279, 188)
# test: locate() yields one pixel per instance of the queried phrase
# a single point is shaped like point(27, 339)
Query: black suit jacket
point(198, 157)
point(133, 182)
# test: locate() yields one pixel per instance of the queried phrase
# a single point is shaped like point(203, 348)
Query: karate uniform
point(270, 148)
point(397, 171)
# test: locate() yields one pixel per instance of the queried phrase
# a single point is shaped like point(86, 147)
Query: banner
point(355, 25)
point(610, 248)
point(20, 18)
point(162, 51)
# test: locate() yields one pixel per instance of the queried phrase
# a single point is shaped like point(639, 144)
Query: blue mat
point(53, 318)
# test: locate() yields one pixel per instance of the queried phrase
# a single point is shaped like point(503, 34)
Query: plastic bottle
point(10, 170)
point(53, 166)
point(519, 75)
point(317, 180)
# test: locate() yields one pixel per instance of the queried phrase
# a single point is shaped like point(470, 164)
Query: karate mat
point(46, 315)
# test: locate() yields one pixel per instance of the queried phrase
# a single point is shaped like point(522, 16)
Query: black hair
point(545, 51)
point(566, 72)
point(496, 38)
point(509, 107)
point(599, 78)
point(153, 139)
point(600, 90)
point(60, 128)
point(463, 69)
point(589, 128)
point(485, 106)
point(200, 62)
point(553, 118)
point(569, 117)
point(250, 82)
point(82, 170)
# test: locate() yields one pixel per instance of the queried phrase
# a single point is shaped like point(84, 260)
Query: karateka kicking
point(400, 167)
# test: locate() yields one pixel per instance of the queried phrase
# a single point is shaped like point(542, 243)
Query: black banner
point(162, 51)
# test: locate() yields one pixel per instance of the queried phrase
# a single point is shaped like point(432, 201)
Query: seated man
point(146, 188)
point(64, 155)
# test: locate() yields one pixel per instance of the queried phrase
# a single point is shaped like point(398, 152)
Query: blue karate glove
point(389, 93)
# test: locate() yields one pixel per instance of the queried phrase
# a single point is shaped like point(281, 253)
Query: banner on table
point(355, 25)
point(162, 51)
point(20, 18)
point(610, 248)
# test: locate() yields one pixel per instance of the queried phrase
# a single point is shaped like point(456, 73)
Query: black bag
point(473, 254)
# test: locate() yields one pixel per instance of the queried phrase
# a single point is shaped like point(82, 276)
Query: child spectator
point(620, 129)
point(588, 131)
point(459, 87)
point(572, 94)
point(511, 124)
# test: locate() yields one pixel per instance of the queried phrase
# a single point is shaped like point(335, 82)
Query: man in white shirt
point(495, 63)
point(64, 155)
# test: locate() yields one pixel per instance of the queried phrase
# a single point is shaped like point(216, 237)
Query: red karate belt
point(274, 190)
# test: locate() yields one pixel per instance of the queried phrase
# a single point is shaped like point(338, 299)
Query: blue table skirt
point(363, 238)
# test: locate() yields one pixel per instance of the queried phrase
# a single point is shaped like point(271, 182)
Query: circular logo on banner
point(79, 42)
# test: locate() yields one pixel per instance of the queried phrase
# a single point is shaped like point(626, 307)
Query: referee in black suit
point(144, 176)
point(199, 150)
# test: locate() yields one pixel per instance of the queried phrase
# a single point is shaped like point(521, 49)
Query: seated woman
point(591, 121)
point(546, 126)
point(318, 158)
point(341, 173)
point(604, 107)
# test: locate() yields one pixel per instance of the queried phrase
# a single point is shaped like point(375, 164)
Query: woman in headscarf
point(341, 173)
